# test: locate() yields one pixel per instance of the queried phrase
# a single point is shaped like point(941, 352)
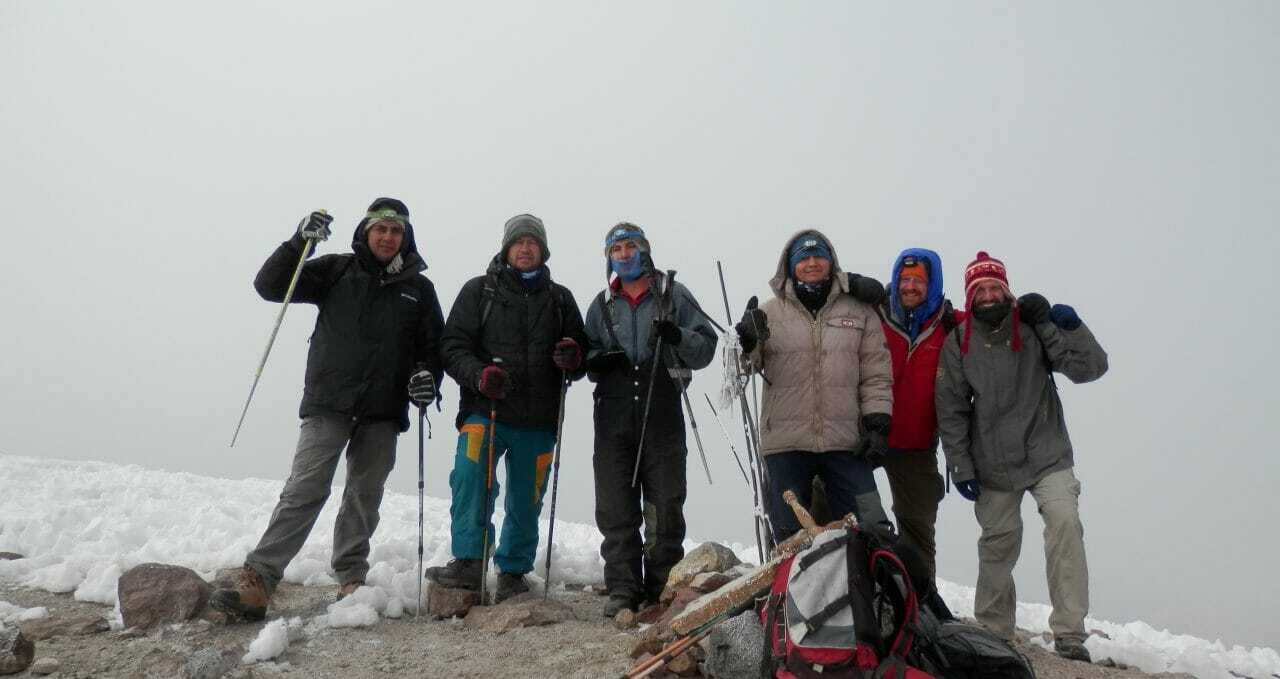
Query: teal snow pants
point(528, 454)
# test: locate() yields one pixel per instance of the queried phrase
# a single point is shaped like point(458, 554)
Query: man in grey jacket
point(1004, 434)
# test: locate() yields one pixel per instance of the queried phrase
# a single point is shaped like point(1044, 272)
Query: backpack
point(951, 649)
point(843, 608)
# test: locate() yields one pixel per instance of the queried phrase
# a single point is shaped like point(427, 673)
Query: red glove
point(493, 382)
point(568, 355)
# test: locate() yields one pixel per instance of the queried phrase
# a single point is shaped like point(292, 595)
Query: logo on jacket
point(409, 297)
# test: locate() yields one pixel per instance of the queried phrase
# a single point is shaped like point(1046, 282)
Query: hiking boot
point(246, 600)
point(1071, 648)
point(457, 574)
point(509, 585)
point(349, 588)
point(617, 602)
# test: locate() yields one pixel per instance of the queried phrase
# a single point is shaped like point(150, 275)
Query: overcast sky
point(1120, 157)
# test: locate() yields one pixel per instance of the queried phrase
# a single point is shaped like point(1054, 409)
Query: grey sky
point(1120, 157)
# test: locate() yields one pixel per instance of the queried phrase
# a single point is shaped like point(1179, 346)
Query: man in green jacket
point(1004, 434)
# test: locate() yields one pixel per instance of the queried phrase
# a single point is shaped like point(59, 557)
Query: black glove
point(949, 321)
point(607, 361)
point(865, 289)
point(567, 355)
point(315, 226)
point(422, 388)
point(668, 331)
point(875, 441)
point(754, 326)
point(1033, 308)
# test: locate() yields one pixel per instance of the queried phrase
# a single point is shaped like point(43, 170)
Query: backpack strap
point(606, 310)
point(487, 294)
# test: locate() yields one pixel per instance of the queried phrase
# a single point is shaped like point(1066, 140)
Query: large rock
point(708, 557)
point(686, 664)
point(16, 651)
point(736, 647)
point(524, 610)
point(447, 602)
point(45, 666)
point(153, 593)
point(710, 582)
point(74, 626)
point(10, 556)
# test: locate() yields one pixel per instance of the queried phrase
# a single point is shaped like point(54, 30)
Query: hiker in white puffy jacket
point(827, 384)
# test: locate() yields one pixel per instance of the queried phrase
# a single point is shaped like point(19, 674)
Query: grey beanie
point(525, 225)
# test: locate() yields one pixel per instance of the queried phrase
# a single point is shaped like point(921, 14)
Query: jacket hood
point(408, 249)
point(781, 282)
point(933, 297)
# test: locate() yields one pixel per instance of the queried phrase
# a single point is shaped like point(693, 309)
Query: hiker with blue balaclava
point(641, 318)
point(915, 317)
point(827, 399)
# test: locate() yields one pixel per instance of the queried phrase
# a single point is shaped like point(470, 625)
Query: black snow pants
point(637, 567)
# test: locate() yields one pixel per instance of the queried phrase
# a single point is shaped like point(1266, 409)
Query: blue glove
point(1064, 317)
point(969, 490)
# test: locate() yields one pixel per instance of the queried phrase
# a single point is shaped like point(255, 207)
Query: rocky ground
point(587, 647)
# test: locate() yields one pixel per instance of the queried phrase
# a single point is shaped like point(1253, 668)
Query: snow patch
point(13, 614)
point(272, 641)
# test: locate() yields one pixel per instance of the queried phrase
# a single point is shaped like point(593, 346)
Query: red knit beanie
point(984, 267)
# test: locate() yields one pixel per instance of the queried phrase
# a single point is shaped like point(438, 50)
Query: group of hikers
point(856, 375)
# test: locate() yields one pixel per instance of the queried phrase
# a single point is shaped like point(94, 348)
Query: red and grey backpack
point(842, 608)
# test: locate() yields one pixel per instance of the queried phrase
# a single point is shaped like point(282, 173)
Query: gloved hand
point(875, 441)
point(567, 355)
point(969, 490)
point(865, 289)
point(607, 361)
point(1033, 308)
point(754, 326)
point(315, 226)
point(422, 388)
point(1064, 317)
point(668, 331)
point(949, 320)
point(493, 382)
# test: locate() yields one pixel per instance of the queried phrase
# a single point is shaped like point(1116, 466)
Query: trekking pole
point(293, 282)
point(667, 283)
point(422, 420)
point(488, 492)
point(728, 440)
point(555, 480)
point(693, 424)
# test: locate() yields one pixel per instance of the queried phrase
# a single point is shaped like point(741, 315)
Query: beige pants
point(999, 513)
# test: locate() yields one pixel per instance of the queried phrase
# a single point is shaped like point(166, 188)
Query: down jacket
point(999, 415)
point(823, 373)
point(373, 327)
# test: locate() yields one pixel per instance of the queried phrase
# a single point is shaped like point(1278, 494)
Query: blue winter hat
point(625, 231)
point(803, 248)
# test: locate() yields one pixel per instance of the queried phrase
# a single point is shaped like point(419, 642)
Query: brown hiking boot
point(246, 600)
point(349, 588)
point(1071, 648)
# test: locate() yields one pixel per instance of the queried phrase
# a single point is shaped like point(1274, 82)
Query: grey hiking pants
point(371, 453)
point(999, 513)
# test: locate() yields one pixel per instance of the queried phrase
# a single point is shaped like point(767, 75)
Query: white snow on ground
point(82, 524)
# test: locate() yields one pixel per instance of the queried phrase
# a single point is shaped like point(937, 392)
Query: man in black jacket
point(512, 339)
point(376, 344)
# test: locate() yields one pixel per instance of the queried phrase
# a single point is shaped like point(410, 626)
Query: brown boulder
point(625, 619)
point(686, 664)
point(710, 582)
point(684, 597)
point(708, 557)
point(447, 602)
point(651, 640)
point(76, 626)
point(156, 593)
point(16, 651)
point(524, 610)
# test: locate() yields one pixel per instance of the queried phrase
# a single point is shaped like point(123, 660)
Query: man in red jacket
point(916, 318)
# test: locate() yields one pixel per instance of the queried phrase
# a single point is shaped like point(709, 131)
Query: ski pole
point(728, 440)
point(422, 419)
point(555, 480)
point(644, 421)
point(293, 282)
point(488, 491)
point(693, 424)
